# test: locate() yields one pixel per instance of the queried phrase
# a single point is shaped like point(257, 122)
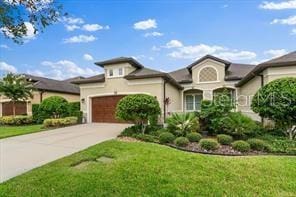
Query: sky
point(163, 35)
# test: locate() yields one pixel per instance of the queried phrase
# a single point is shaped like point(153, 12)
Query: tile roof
point(42, 83)
point(130, 60)
point(93, 79)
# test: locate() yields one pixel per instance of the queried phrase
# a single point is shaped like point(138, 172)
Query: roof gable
point(226, 63)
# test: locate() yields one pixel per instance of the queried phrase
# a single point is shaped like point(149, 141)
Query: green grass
point(145, 169)
point(9, 131)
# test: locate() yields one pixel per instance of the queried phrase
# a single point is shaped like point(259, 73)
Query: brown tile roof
point(46, 84)
point(150, 73)
point(285, 60)
point(74, 79)
point(130, 60)
point(227, 63)
point(93, 79)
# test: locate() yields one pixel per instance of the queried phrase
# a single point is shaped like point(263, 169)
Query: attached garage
point(20, 108)
point(104, 107)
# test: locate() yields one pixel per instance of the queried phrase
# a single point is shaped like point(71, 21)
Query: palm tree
point(16, 88)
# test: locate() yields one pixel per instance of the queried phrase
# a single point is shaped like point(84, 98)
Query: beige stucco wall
point(248, 90)
point(175, 96)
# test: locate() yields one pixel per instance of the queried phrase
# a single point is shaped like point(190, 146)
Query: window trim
point(208, 66)
point(115, 72)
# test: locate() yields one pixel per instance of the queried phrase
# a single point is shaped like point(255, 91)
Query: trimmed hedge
point(16, 120)
point(241, 146)
point(166, 137)
point(60, 122)
point(194, 137)
point(209, 144)
point(224, 139)
point(181, 141)
point(260, 145)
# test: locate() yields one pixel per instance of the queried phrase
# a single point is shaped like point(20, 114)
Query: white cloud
point(94, 27)
point(275, 52)
point(4, 46)
point(155, 48)
point(286, 21)
point(278, 5)
point(80, 39)
point(173, 44)
point(88, 57)
point(153, 34)
point(236, 55)
point(30, 32)
point(36, 73)
point(147, 24)
point(194, 52)
point(73, 20)
point(64, 69)
point(293, 32)
point(71, 27)
point(7, 67)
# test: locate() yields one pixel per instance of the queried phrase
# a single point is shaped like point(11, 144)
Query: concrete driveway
point(23, 153)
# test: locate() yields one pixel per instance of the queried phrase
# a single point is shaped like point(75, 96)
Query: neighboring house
point(181, 90)
point(44, 88)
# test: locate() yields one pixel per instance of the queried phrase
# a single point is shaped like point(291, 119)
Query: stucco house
point(44, 88)
point(181, 90)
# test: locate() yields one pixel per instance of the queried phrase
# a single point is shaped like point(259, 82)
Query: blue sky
point(163, 35)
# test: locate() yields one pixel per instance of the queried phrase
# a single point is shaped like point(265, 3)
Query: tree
point(137, 108)
point(54, 107)
point(16, 88)
point(17, 16)
point(277, 101)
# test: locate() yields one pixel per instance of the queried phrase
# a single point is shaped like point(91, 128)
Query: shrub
point(241, 146)
point(137, 108)
point(209, 144)
point(130, 131)
point(184, 123)
point(194, 137)
point(281, 106)
point(60, 122)
point(181, 141)
point(16, 120)
point(158, 132)
point(260, 145)
point(145, 137)
point(54, 107)
point(224, 139)
point(166, 137)
point(237, 125)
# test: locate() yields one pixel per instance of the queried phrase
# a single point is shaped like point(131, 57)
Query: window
point(115, 72)
point(110, 72)
point(208, 74)
point(193, 102)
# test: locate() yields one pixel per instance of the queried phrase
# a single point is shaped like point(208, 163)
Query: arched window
point(208, 74)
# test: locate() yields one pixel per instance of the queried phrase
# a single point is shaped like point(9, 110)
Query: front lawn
point(146, 169)
point(9, 131)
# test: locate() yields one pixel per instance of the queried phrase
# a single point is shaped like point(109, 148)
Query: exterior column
point(207, 95)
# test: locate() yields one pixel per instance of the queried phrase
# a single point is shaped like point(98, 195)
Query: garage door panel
point(104, 108)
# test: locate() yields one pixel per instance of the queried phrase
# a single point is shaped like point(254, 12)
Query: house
point(44, 88)
point(181, 90)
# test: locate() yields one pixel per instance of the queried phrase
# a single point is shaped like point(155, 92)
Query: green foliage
point(280, 144)
point(16, 88)
point(130, 131)
point(13, 17)
point(153, 120)
point(241, 146)
point(181, 141)
point(224, 139)
point(145, 137)
point(74, 110)
point(16, 120)
point(60, 122)
point(260, 145)
point(213, 111)
point(181, 124)
point(137, 108)
point(54, 107)
point(166, 137)
point(194, 137)
point(237, 125)
point(277, 101)
point(209, 144)
point(158, 132)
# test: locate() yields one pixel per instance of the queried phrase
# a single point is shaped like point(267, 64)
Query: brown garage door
point(20, 108)
point(103, 108)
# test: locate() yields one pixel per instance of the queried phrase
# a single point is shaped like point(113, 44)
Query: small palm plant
point(16, 88)
point(183, 123)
